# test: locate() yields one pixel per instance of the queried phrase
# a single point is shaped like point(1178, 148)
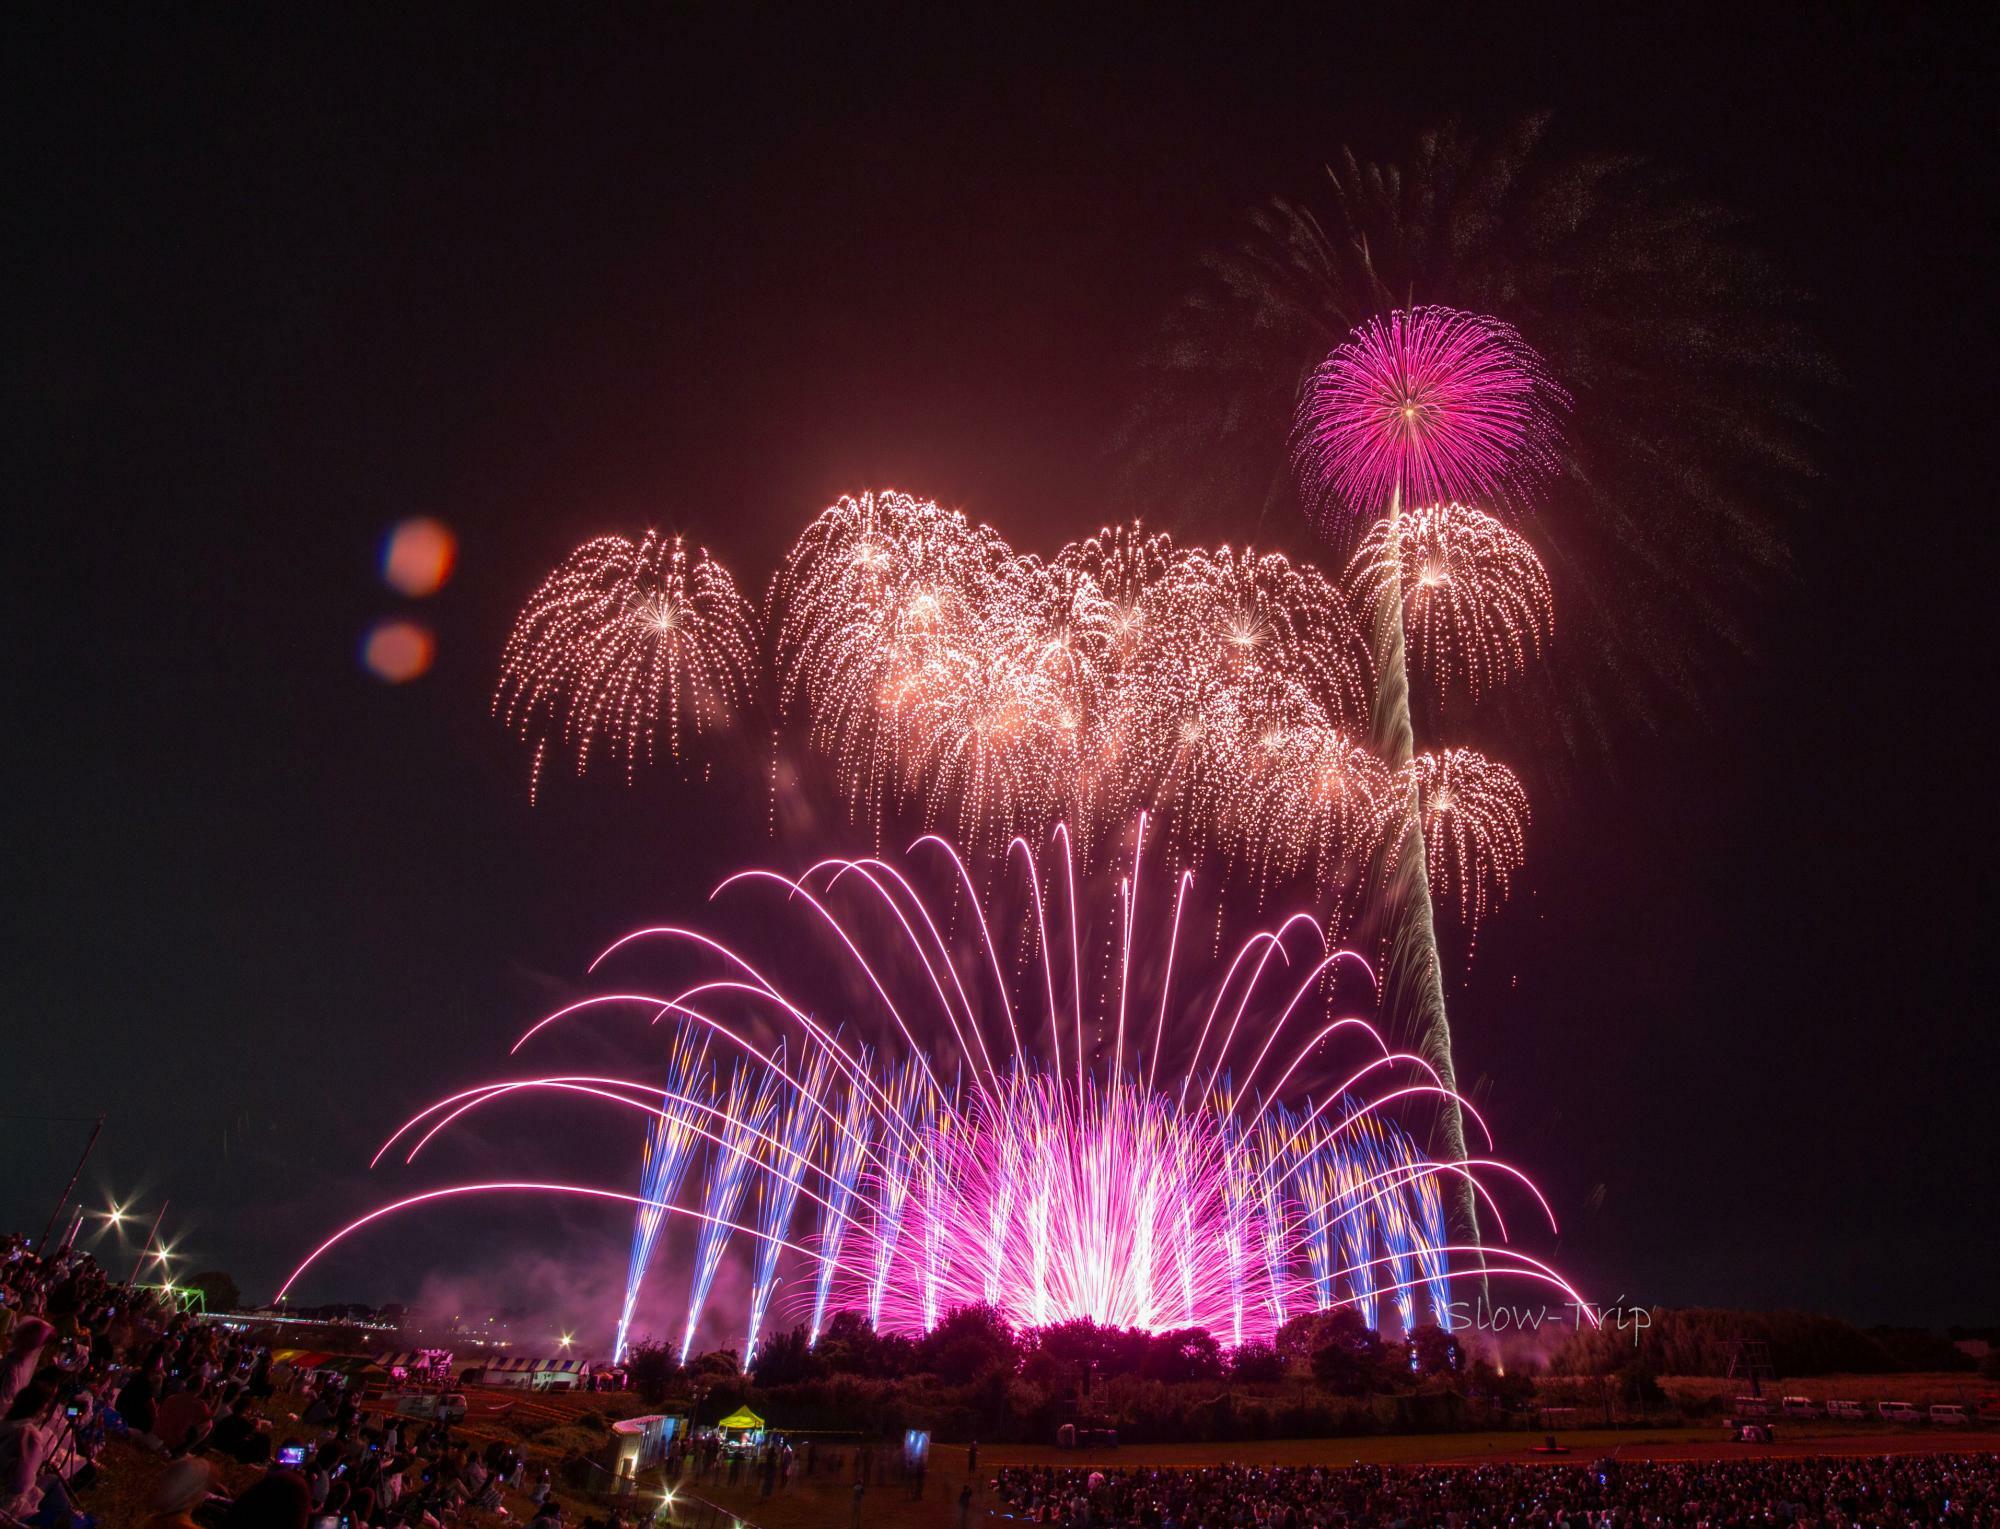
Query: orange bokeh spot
point(398, 651)
point(418, 556)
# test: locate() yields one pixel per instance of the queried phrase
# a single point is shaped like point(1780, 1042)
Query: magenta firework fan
point(1039, 1097)
point(1427, 404)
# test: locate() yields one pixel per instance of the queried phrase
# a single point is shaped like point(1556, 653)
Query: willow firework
point(936, 668)
point(1474, 596)
point(1167, 1146)
point(618, 635)
point(1474, 817)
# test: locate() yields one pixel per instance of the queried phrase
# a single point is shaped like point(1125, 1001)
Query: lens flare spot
point(397, 652)
point(418, 556)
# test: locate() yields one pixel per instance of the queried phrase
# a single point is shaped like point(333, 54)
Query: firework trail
point(778, 1189)
point(893, 1170)
point(1066, 1146)
point(846, 1146)
point(745, 1111)
point(619, 632)
point(1429, 403)
point(670, 1147)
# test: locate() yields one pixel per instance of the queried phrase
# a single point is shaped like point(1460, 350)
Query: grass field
point(822, 1503)
point(547, 1425)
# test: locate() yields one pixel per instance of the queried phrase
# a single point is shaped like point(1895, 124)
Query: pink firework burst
point(1427, 404)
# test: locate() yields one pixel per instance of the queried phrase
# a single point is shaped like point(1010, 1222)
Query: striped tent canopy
point(526, 1364)
point(410, 1359)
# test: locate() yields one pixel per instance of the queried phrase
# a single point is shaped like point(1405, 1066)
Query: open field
point(546, 1425)
point(823, 1502)
point(1921, 1387)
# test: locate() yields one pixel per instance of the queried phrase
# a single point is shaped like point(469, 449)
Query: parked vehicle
point(446, 1407)
point(1753, 1406)
point(1853, 1411)
point(1801, 1407)
point(1949, 1412)
point(1899, 1412)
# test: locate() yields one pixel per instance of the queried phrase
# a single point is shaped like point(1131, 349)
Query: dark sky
point(275, 283)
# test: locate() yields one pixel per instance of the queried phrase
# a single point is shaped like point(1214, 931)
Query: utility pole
point(63, 1198)
point(140, 1262)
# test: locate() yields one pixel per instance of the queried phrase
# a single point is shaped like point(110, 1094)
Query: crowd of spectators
point(1808, 1492)
point(87, 1363)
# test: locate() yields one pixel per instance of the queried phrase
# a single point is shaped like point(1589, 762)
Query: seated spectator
point(138, 1404)
point(277, 1501)
point(240, 1436)
point(24, 1350)
point(182, 1420)
point(24, 1447)
point(182, 1487)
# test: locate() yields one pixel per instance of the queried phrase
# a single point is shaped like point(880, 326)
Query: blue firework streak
point(670, 1144)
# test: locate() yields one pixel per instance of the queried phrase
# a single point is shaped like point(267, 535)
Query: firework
point(870, 607)
point(1684, 349)
point(778, 1193)
point(1474, 596)
point(1058, 1146)
point(846, 1146)
point(619, 634)
point(671, 1141)
point(939, 670)
point(1425, 404)
point(744, 1111)
point(1474, 818)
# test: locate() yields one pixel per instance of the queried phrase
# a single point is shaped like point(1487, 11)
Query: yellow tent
point(742, 1419)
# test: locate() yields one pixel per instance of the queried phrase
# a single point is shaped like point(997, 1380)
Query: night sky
point(277, 282)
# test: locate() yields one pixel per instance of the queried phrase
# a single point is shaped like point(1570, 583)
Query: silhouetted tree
point(785, 1359)
point(652, 1368)
point(218, 1290)
point(1349, 1358)
point(1256, 1364)
point(1434, 1352)
point(967, 1343)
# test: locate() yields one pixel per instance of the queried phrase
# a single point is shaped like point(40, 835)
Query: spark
point(991, 692)
point(619, 633)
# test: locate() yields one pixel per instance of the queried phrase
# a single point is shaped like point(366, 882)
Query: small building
point(639, 1444)
point(526, 1373)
